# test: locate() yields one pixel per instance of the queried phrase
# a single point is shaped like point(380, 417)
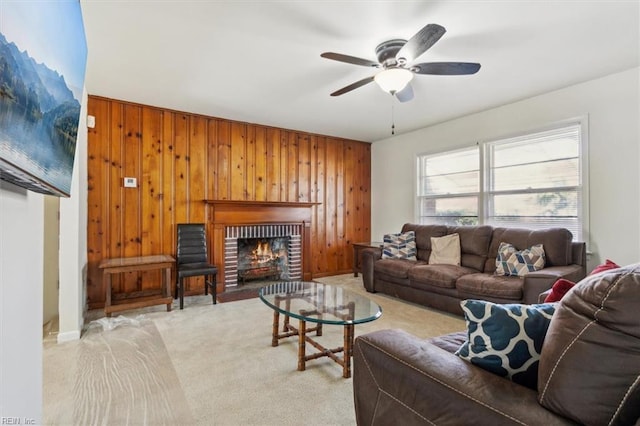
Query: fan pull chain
point(393, 120)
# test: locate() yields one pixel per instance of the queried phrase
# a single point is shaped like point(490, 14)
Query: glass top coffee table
point(320, 304)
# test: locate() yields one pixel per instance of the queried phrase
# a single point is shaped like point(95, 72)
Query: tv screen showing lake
point(42, 64)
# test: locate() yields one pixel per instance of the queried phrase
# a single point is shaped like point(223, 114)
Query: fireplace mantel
point(250, 212)
point(224, 213)
point(262, 203)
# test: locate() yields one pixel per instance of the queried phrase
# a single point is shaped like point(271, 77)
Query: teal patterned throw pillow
point(400, 246)
point(506, 339)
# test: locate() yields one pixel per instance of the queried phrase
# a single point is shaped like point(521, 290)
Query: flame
point(263, 253)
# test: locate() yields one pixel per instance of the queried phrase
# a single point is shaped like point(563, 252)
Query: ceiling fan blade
point(421, 42)
point(353, 86)
point(406, 94)
point(446, 68)
point(350, 59)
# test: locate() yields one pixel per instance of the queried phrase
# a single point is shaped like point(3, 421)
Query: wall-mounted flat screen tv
point(43, 55)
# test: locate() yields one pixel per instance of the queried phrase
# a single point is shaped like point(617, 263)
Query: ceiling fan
point(395, 57)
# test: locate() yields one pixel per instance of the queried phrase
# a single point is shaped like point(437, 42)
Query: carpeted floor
point(209, 365)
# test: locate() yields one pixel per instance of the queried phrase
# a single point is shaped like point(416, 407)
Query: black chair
point(192, 260)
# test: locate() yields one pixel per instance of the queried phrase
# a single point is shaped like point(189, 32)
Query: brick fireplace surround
point(227, 217)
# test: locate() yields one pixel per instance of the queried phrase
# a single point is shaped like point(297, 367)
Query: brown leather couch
point(444, 286)
point(589, 371)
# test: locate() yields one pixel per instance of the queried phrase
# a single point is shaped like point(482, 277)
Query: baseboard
point(331, 274)
point(68, 336)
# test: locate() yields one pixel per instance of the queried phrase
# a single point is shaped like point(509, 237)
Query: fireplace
point(264, 251)
point(262, 259)
point(235, 224)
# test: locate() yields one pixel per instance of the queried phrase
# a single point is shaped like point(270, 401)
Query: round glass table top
point(319, 303)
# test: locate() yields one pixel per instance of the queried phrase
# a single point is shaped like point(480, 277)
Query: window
point(532, 181)
point(449, 187)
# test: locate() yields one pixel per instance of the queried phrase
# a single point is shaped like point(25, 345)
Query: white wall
point(21, 283)
point(73, 241)
point(612, 105)
point(51, 271)
point(21, 269)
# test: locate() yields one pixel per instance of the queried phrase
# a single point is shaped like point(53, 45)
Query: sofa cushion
point(556, 242)
point(485, 285)
point(449, 342)
point(444, 276)
point(506, 339)
point(445, 250)
point(399, 246)
point(398, 268)
point(511, 261)
point(474, 244)
point(590, 362)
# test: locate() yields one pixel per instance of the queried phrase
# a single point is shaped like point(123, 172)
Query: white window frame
point(419, 175)
point(483, 198)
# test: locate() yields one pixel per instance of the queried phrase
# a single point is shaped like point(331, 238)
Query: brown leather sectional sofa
point(589, 369)
point(444, 286)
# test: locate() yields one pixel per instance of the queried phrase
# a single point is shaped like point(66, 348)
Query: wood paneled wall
point(180, 159)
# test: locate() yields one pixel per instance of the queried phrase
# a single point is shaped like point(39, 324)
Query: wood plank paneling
point(284, 170)
point(340, 200)
point(98, 172)
point(212, 158)
point(291, 160)
point(273, 164)
point(150, 184)
point(181, 167)
point(181, 159)
point(223, 143)
point(168, 219)
point(238, 148)
point(331, 206)
point(250, 163)
point(197, 180)
point(260, 163)
point(115, 207)
point(320, 218)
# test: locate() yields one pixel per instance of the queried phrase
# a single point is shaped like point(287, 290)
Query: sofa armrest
point(369, 256)
point(540, 281)
point(579, 256)
point(543, 296)
point(401, 379)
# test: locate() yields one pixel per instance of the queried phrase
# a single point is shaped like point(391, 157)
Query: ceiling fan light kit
point(393, 80)
point(395, 57)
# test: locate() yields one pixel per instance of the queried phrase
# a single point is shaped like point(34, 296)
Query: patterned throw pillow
point(513, 262)
point(506, 339)
point(400, 246)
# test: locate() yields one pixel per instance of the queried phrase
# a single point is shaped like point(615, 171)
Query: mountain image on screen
point(38, 122)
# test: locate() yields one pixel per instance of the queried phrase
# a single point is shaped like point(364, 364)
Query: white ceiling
point(259, 61)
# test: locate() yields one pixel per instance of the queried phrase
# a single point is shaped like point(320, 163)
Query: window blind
point(534, 180)
point(531, 181)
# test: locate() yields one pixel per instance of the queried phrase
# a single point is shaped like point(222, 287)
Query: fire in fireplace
point(262, 258)
point(285, 240)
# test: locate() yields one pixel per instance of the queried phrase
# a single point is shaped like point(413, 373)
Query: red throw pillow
point(559, 289)
point(604, 267)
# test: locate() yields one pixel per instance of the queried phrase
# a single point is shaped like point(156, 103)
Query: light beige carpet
point(210, 365)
